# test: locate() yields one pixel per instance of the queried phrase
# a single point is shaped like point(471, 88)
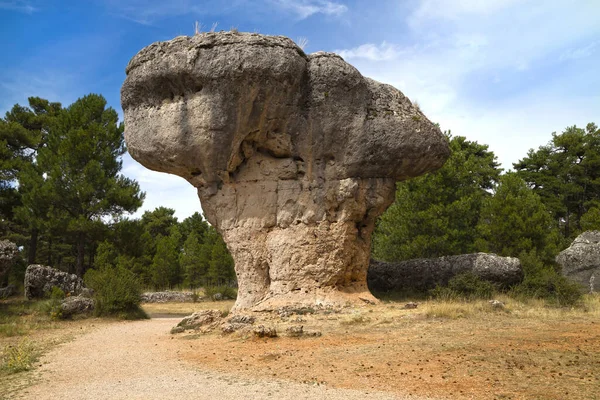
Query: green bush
point(116, 292)
point(544, 282)
point(551, 286)
point(225, 291)
point(467, 286)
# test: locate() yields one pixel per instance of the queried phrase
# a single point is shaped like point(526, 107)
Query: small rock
point(76, 305)
point(496, 304)
point(217, 296)
point(262, 331)
point(410, 306)
point(177, 329)
point(234, 327)
point(295, 330)
point(200, 318)
point(167, 297)
point(242, 319)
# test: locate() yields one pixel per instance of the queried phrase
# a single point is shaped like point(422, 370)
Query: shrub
point(225, 291)
point(551, 286)
point(117, 292)
point(544, 282)
point(467, 286)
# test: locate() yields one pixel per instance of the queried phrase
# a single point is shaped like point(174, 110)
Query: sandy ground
point(140, 360)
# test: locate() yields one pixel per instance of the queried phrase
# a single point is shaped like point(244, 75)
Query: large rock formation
point(8, 255)
point(423, 274)
point(581, 261)
point(294, 155)
point(40, 279)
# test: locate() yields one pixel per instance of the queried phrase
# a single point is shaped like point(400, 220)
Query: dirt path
point(138, 360)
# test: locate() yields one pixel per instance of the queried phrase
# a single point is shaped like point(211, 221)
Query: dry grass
point(158, 310)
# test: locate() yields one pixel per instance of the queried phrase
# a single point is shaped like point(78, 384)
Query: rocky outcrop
point(294, 156)
point(74, 305)
point(8, 255)
point(581, 261)
point(40, 279)
point(167, 297)
point(425, 273)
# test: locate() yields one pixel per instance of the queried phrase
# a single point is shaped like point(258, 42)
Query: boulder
point(8, 255)
point(73, 305)
point(580, 262)
point(200, 319)
point(294, 156)
point(40, 279)
point(425, 273)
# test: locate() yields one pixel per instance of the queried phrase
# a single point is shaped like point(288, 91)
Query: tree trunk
point(33, 241)
point(79, 267)
point(50, 250)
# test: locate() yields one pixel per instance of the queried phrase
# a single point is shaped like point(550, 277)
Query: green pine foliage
point(515, 220)
point(437, 214)
point(565, 173)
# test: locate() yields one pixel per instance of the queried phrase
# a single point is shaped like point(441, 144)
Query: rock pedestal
point(294, 156)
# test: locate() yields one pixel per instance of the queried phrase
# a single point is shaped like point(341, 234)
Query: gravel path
point(138, 360)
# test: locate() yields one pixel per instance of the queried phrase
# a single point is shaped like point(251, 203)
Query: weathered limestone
point(294, 156)
point(40, 279)
point(422, 274)
point(581, 261)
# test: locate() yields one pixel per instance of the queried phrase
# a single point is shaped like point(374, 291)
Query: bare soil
point(524, 352)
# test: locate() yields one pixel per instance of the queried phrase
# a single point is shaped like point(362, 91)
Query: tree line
point(64, 200)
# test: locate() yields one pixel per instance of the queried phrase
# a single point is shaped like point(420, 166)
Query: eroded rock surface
point(581, 261)
point(423, 274)
point(8, 255)
point(294, 156)
point(40, 279)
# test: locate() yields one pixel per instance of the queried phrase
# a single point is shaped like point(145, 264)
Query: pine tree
point(515, 220)
point(437, 214)
point(82, 164)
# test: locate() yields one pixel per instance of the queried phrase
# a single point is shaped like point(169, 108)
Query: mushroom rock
point(294, 156)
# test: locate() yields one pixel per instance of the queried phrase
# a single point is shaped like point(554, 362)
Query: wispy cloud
point(306, 8)
point(18, 5)
point(580, 52)
point(384, 51)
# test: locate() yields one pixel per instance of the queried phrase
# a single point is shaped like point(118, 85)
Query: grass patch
point(19, 357)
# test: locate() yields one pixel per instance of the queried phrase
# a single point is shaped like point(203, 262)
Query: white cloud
point(493, 71)
point(306, 8)
point(18, 5)
point(372, 52)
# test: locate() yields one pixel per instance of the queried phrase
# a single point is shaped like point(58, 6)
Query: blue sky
point(506, 73)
